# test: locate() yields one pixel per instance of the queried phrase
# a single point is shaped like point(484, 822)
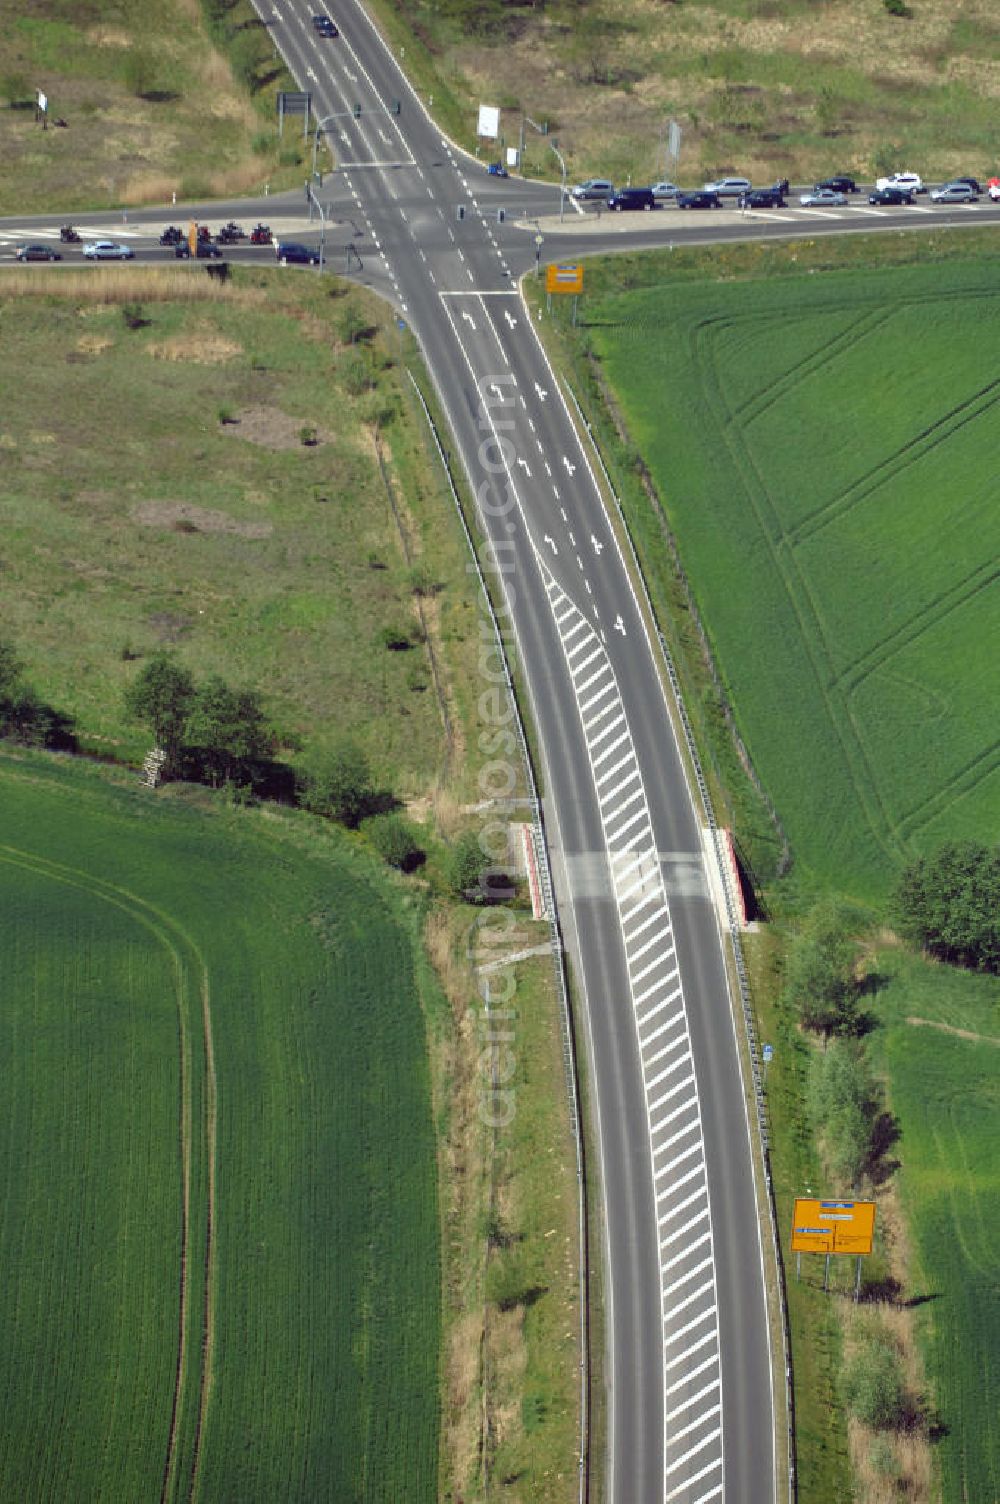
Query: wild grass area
point(220, 1237)
point(239, 477)
point(770, 88)
point(154, 98)
point(823, 450)
point(938, 1042)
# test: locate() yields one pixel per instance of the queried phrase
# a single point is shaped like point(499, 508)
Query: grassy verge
point(155, 99)
point(778, 89)
point(221, 1180)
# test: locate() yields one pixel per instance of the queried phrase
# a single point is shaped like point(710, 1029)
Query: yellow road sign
point(832, 1226)
point(567, 277)
point(193, 237)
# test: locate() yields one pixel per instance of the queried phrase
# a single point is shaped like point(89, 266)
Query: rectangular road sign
point(832, 1226)
point(567, 277)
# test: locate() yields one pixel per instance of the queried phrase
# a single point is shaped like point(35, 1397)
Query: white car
point(910, 181)
point(108, 250)
point(665, 190)
point(729, 187)
point(993, 188)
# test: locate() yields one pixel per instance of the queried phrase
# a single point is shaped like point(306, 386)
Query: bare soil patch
point(930, 1023)
point(205, 348)
point(273, 429)
point(184, 516)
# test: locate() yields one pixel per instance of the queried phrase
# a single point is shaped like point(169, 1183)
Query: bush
point(843, 1102)
point(138, 71)
point(397, 637)
point(897, 8)
point(819, 976)
point(338, 784)
point(873, 1386)
point(472, 875)
point(395, 841)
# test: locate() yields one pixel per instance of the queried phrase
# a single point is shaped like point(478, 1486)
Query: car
point(631, 198)
point(973, 183)
point(993, 188)
point(894, 196)
point(290, 251)
point(823, 198)
point(324, 26)
point(955, 193)
point(497, 170)
point(910, 180)
point(593, 188)
point(206, 251)
point(171, 235)
point(762, 198)
point(701, 198)
point(37, 253)
point(840, 183)
point(728, 187)
point(108, 250)
point(665, 190)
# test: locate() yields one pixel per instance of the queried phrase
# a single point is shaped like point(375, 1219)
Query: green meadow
point(219, 1236)
point(824, 447)
point(939, 1044)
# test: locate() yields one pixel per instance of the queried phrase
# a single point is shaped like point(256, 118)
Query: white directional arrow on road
point(493, 386)
point(551, 543)
point(569, 467)
point(309, 72)
point(470, 320)
point(511, 320)
point(598, 545)
point(542, 393)
point(619, 625)
point(383, 137)
point(352, 76)
point(524, 465)
point(572, 540)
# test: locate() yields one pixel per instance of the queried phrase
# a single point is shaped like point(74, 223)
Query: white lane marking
point(693, 1347)
point(680, 1282)
point(710, 1468)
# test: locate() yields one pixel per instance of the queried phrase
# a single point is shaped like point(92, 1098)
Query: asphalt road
point(688, 1370)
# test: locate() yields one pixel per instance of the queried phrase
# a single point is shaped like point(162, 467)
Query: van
point(632, 198)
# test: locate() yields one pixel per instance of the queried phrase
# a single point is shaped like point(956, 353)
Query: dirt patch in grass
point(272, 429)
point(185, 517)
point(205, 348)
point(931, 1023)
point(93, 344)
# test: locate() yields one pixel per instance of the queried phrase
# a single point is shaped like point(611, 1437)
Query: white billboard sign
point(489, 121)
point(43, 102)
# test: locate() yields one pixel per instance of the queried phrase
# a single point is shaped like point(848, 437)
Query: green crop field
point(825, 449)
point(219, 1235)
point(940, 1045)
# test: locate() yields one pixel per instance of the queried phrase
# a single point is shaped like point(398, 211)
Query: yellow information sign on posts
point(832, 1226)
point(193, 237)
point(565, 277)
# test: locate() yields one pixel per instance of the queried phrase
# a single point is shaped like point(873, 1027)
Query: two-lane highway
point(688, 1371)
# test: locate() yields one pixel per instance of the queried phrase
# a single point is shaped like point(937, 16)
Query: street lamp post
point(562, 190)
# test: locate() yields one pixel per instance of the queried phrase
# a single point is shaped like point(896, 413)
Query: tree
point(230, 732)
point(395, 841)
point(820, 983)
point(162, 696)
point(949, 903)
point(338, 784)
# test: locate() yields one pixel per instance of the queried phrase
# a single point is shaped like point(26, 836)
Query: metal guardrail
point(558, 953)
point(739, 963)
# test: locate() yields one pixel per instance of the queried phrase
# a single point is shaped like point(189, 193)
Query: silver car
point(823, 198)
point(108, 250)
point(955, 193)
point(665, 190)
point(729, 187)
point(593, 188)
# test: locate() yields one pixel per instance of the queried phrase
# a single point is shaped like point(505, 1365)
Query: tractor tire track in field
point(799, 594)
point(745, 412)
point(175, 942)
point(919, 447)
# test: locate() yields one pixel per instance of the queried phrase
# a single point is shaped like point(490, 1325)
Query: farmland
point(220, 1236)
point(824, 451)
point(939, 1043)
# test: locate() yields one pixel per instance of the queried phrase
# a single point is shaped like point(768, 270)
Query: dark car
point(890, 196)
point(762, 198)
point(839, 183)
point(700, 199)
point(207, 251)
point(631, 198)
point(291, 252)
point(324, 25)
point(171, 236)
point(37, 253)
